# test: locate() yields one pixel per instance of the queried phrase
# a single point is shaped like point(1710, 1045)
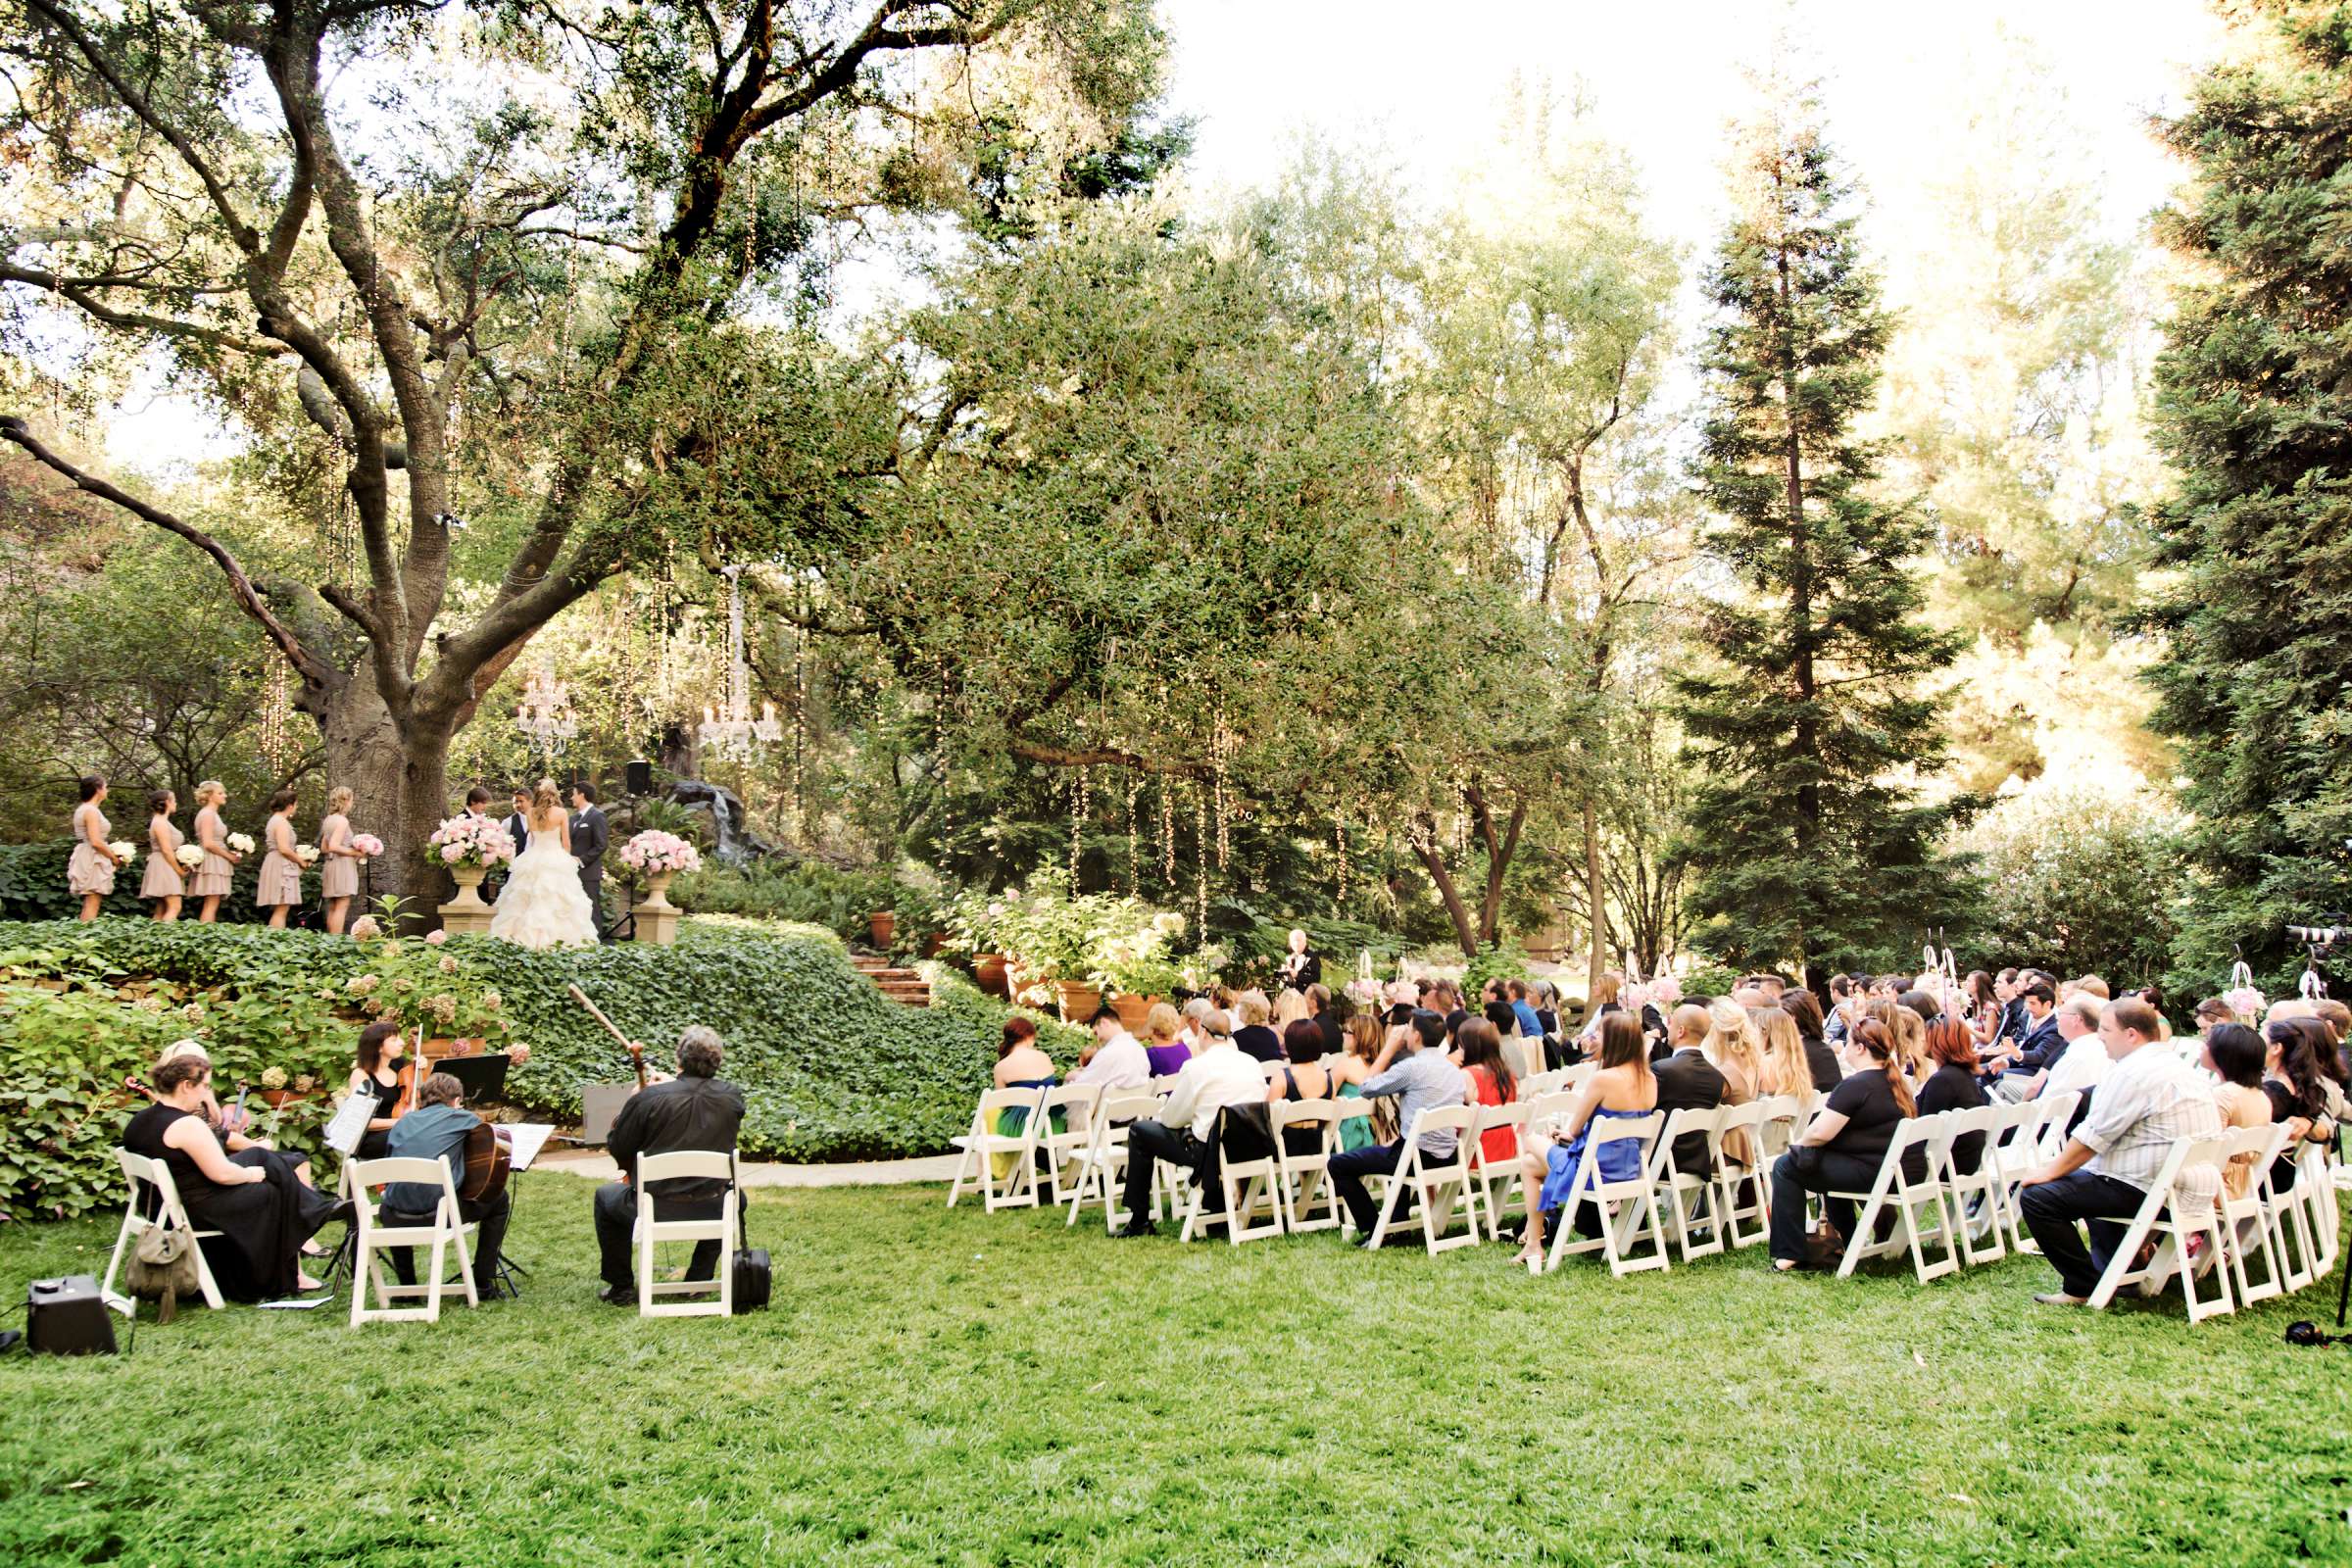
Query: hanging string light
point(1167, 834)
point(277, 709)
point(734, 732)
point(1220, 745)
point(1338, 833)
point(1135, 880)
point(1077, 822)
point(1201, 857)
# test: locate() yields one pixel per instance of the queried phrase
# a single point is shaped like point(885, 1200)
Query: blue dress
point(1620, 1158)
point(1013, 1118)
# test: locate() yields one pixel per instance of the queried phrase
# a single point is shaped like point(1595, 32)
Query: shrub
point(804, 890)
point(831, 1069)
point(2082, 883)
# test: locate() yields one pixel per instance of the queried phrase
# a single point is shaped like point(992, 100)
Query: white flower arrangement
point(306, 853)
point(125, 850)
point(475, 841)
point(242, 843)
point(189, 856)
point(659, 854)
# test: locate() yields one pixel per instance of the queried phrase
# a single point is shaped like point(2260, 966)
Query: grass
point(952, 1386)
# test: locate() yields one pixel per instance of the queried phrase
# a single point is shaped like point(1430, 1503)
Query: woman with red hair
point(1951, 1046)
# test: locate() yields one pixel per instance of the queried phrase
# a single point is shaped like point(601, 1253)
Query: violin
point(409, 1075)
point(222, 1122)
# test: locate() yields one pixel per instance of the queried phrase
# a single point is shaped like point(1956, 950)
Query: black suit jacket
point(589, 835)
point(519, 829)
point(683, 1114)
point(1689, 1081)
point(2042, 1043)
point(1827, 1074)
point(1310, 971)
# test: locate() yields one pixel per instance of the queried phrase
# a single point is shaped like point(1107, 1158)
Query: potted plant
point(470, 846)
point(657, 857)
point(881, 925)
point(971, 920)
point(1131, 967)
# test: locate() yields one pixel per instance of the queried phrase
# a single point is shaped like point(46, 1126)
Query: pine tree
point(1807, 839)
point(2254, 410)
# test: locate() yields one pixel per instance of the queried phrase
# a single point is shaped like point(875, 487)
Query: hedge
point(832, 1070)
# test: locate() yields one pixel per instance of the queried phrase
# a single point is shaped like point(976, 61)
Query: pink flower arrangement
point(368, 843)
point(659, 854)
point(472, 841)
point(435, 937)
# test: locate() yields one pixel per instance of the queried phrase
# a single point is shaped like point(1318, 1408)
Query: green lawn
point(937, 1387)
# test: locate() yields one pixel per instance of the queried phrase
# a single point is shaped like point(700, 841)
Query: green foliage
point(832, 1070)
point(2078, 883)
point(2254, 410)
point(1498, 960)
point(32, 883)
point(1803, 841)
point(1709, 980)
point(806, 891)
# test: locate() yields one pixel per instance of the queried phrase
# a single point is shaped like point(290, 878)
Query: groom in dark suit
point(519, 829)
point(588, 837)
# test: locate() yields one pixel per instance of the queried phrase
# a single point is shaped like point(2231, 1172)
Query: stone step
point(905, 987)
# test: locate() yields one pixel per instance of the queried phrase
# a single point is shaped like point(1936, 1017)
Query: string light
point(1201, 857)
point(1135, 881)
point(1077, 821)
point(1167, 834)
point(277, 741)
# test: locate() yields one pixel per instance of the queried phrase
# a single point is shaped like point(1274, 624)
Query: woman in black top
point(1953, 1086)
point(1304, 1078)
point(1844, 1146)
point(262, 1213)
point(2298, 1095)
point(1253, 1037)
point(1805, 1008)
point(376, 1072)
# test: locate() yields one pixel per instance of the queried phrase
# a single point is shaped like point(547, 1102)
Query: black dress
point(387, 1099)
point(262, 1224)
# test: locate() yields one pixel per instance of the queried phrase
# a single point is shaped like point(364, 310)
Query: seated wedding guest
point(1349, 1069)
point(1844, 1148)
point(1257, 1040)
point(253, 1198)
point(2296, 1088)
point(2236, 1055)
point(1166, 1051)
point(1501, 1016)
point(1217, 1076)
point(1622, 1087)
point(1953, 1085)
point(1689, 1081)
point(2214, 1010)
point(1909, 1032)
point(375, 1072)
point(1303, 1077)
point(1834, 1026)
point(1922, 1002)
point(436, 1130)
point(2148, 1100)
point(1329, 1017)
point(1113, 1059)
point(1289, 1008)
point(1788, 1068)
point(1403, 997)
point(1412, 1066)
point(696, 1110)
point(1804, 1009)
point(2036, 1049)
point(2095, 986)
point(1601, 1003)
point(1491, 1083)
point(1531, 1025)
point(2079, 1066)
point(1021, 1064)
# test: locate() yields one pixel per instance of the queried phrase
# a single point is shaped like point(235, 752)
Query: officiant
point(1301, 968)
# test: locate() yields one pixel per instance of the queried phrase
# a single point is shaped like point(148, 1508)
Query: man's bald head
point(1690, 1026)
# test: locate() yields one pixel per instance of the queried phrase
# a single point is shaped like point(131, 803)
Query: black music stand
point(483, 1077)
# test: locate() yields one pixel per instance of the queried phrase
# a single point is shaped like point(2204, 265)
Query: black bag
point(755, 1277)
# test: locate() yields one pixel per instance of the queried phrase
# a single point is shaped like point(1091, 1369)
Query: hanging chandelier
point(545, 718)
point(731, 730)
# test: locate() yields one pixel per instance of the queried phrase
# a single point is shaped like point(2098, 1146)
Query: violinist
point(436, 1130)
point(378, 1072)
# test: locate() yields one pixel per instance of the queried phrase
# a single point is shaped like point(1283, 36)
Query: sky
point(1664, 79)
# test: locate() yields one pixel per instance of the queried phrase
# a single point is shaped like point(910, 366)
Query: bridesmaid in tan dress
point(163, 884)
point(338, 861)
point(211, 882)
point(91, 873)
point(280, 890)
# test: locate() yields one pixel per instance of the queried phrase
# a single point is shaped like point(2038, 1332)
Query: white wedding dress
point(543, 905)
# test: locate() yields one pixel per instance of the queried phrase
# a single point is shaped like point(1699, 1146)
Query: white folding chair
point(170, 1214)
point(1979, 1232)
point(1690, 1197)
point(1101, 1160)
point(2037, 1138)
point(1743, 1191)
point(2170, 1215)
point(1542, 1083)
point(371, 1237)
point(2303, 1260)
point(1019, 1190)
point(2315, 1183)
point(1624, 1204)
point(1247, 1187)
point(652, 1231)
point(1784, 1118)
point(1306, 1176)
point(1498, 1184)
point(1164, 1082)
point(1439, 1188)
point(2250, 1224)
point(1076, 1102)
point(1909, 1197)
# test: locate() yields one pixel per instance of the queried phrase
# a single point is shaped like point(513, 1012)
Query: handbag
point(755, 1277)
point(163, 1268)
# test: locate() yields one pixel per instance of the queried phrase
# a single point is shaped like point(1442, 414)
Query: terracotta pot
point(1133, 1010)
point(881, 925)
point(988, 973)
point(933, 943)
point(467, 1046)
point(1078, 1000)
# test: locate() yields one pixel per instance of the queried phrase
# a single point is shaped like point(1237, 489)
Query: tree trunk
point(1596, 900)
point(400, 791)
point(1432, 861)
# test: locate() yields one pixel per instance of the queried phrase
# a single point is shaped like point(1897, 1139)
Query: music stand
point(483, 1077)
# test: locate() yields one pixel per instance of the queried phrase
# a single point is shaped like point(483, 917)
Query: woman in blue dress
point(1622, 1088)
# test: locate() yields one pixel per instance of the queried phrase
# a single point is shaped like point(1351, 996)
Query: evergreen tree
point(1806, 839)
point(2254, 410)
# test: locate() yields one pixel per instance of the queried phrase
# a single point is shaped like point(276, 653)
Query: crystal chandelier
point(546, 715)
point(731, 730)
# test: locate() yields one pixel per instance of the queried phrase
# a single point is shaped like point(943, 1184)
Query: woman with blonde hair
point(1737, 1051)
point(1253, 1037)
point(1163, 1047)
point(1600, 1003)
point(209, 885)
point(338, 861)
point(1288, 1008)
point(1787, 1071)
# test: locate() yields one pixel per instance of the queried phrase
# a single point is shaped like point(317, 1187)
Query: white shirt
point(2081, 1064)
point(1120, 1065)
point(2147, 1101)
point(1220, 1076)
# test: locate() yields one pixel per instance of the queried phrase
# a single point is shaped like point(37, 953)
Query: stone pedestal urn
point(466, 914)
point(657, 916)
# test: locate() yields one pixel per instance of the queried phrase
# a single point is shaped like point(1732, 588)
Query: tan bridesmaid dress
point(338, 874)
point(281, 874)
point(211, 877)
point(163, 879)
point(90, 870)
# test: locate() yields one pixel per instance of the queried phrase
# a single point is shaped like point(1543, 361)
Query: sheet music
point(350, 1123)
point(527, 1139)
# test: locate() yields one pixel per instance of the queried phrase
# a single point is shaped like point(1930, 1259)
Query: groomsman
point(519, 829)
point(588, 837)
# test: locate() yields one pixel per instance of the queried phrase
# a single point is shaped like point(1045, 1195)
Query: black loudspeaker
point(641, 779)
point(68, 1317)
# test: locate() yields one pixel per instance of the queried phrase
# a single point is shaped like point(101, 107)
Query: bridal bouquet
point(659, 854)
point(125, 850)
point(474, 841)
point(306, 853)
point(368, 843)
point(242, 843)
point(190, 855)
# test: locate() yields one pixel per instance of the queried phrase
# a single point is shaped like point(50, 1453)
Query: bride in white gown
point(543, 905)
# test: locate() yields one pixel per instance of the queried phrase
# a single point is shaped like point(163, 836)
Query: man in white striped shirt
point(2149, 1102)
